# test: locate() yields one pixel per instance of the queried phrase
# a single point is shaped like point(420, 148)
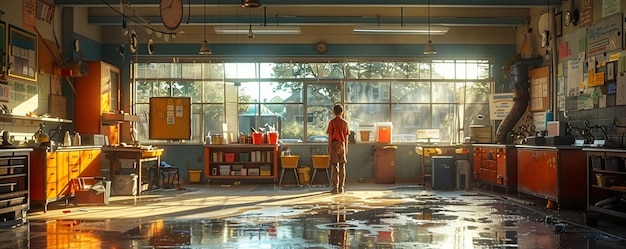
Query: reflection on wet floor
point(403, 218)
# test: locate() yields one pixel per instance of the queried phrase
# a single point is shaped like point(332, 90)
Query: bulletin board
point(170, 118)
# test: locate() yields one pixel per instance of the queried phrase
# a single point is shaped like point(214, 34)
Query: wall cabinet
point(97, 94)
point(557, 174)
point(495, 165)
point(53, 171)
point(14, 186)
point(606, 180)
point(241, 161)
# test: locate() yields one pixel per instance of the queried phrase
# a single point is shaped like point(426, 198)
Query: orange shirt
point(337, 130)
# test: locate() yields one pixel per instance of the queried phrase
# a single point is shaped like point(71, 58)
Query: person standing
point(338, 148)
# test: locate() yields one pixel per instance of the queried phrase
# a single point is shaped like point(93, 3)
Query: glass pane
point(276, 70)
point(248, 114)
point(425, 70)
point(410, 92)
point(282, 92)
point(444, 117)
point(318, 117)
point(191, 70)
point(323, 94)
point(444, 92)
point(443, 69)
point(213, 71)
point(212, 114)
point(188, 89)
point(362, 116)
point(142, 126)
point(330, 70)
point(367, 92)
point(292, 128)
point(249, 92)
point(478, 92)
point(197, 133)
point(213, 92)
point(143, 91)
point(407, 118)
point(401, 70)
point(241, 70)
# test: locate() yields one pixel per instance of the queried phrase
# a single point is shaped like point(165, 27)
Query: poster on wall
point(500, 105)
point(22, 54)
point(586, 13)
point(605, 36)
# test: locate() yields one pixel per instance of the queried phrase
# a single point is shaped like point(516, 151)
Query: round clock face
point(321, 47)
point(133, 42)
point(171, 13)
point(542, 23)
point(568, 18)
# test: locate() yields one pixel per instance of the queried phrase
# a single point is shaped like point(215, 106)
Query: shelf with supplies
point(606, 181)
point(14, 186)
point(241, 161)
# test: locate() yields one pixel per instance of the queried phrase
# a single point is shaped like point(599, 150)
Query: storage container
point(289, 162)
point(125, 185)
point(257, 138)
point(272, 137)
point(383, 132)
point(613, 163)
point(194, 175)
point(320, 161)
point(596, 162)
point(608, 180)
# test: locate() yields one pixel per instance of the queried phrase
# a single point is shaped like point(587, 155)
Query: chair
point(320, 162)
point(289, 162)
point(169, 174)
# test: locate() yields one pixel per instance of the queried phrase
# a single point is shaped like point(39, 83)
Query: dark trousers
point(338, 164)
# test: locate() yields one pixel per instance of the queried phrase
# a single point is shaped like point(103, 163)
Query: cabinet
point(495, 165)
point(98, 94)
point(606, 180)
point(554, 173)
point(52, 172)
point(241, 161)
point(14, 186)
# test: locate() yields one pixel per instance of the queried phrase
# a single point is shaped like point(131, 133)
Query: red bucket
point(257, 138)
point(272, 137)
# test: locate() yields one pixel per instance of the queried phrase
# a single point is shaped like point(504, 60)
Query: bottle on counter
point(67, 140)
point(76, 140)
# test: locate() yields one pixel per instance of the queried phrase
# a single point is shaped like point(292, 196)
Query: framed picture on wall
point(558, 24)
point(3, 51)
point(22, 54)
point(610, 71)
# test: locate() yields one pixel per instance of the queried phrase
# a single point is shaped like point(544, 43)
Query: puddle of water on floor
point(417, 221)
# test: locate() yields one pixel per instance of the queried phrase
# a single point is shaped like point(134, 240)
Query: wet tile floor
point(371, 216)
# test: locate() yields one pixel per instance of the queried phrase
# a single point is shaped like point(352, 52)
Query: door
point(546, 173)
point(525, 170)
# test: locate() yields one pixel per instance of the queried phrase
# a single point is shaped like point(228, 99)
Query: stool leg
point(282, 173)
point(312, 177)
point(330, 182)
point(295, 172)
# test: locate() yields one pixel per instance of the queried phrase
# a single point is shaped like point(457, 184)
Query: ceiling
point(316, 12)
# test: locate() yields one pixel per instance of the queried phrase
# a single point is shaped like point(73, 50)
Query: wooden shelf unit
point(215, 156)
point(597, 191)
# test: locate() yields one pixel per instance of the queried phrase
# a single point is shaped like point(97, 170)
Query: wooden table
point(140, 156)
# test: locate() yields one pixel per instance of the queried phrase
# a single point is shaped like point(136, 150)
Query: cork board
point(170, 118)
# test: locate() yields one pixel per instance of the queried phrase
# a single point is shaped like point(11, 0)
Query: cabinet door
point(477, 162)
point(525, 170)
point(63, 174)
point(501, 170)
point(546, 173)
point(90, 163)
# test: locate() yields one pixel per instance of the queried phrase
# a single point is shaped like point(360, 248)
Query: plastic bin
point(272, 137)
point(257, 138)
point(289, 162)
point(304, 175)
point(320, 161)
point(383, 132)
point(125, 185)
point(194, 175)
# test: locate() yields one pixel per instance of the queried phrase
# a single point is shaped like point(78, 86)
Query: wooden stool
point(320, 162)
point(168, 175)
point(289, 162)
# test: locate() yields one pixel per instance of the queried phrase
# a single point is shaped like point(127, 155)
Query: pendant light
point(250, 3)
point(429, 49)
point(205, 50)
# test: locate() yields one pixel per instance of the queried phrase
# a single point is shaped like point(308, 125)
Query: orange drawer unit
point(496, 165)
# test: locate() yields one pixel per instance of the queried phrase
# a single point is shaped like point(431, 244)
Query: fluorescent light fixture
point(406, 30)
point(258, 30)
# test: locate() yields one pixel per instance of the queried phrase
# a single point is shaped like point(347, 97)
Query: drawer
point(51, 190)
point(51, 174)
point(51, 160)
point(73, 157)
point(74, 171)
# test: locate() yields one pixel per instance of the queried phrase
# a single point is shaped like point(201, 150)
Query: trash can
point(304, 175)
point(125, 185)
point(385, 164)
point(443, 172)
point(194, 175)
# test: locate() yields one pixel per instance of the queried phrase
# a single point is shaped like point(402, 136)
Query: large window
point(296, 98)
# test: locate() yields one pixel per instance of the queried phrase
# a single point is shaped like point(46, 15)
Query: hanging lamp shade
point(251, 3)
point(429, 49)
point(205, 50)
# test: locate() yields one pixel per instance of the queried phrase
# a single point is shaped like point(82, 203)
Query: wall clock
point(568, 18)
point(171, 13)
point(321, 47)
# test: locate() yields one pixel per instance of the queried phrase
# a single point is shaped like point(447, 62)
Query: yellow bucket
point(304, 175)
point(320, 161)
point(289, 162)
point(194, 175)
